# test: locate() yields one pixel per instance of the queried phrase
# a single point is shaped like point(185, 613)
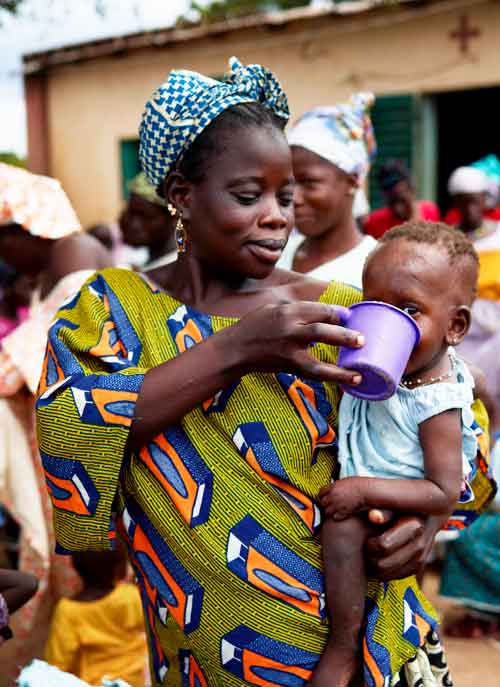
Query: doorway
point(468, 128)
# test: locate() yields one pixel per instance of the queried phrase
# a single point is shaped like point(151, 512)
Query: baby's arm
point(435, 494)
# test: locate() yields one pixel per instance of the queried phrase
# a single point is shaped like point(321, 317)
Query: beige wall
point(92, 106)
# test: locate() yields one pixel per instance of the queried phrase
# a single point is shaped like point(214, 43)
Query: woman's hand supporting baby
point(402, 548)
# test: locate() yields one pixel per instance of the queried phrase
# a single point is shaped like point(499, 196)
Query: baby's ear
point(458, 325)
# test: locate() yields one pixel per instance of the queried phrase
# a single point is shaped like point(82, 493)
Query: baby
point(411, 452)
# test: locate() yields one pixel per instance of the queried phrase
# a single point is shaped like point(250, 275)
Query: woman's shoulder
point(304, 288)
point(124, 281)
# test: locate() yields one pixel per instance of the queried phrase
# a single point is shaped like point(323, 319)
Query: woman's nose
point(275, 215)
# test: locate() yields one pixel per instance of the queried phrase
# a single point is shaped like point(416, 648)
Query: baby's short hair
point(460, 249)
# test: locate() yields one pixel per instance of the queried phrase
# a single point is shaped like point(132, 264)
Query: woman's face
point(239, 216)
point(144, 223)
point(323, 193)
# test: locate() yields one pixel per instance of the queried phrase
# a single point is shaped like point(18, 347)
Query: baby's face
point(418, 279)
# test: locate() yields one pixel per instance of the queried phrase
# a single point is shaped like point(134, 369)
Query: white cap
point(468, 180)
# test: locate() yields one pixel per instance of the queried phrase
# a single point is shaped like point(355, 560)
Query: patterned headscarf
point(140, 186)
point(36, 203)
point(342, 134)
point(182, 107)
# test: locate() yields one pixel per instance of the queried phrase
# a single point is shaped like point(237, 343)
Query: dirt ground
point(473, 662)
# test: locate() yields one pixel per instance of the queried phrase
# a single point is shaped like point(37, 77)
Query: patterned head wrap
point(36, 203)
point(140, 186)
point(342, 134)
point(182, 107)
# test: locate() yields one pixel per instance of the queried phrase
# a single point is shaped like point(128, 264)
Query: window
point(130, 166)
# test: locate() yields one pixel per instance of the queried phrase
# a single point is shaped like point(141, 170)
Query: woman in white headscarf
point(331, 149)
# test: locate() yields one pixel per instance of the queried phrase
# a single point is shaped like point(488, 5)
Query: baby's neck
point(439, 370)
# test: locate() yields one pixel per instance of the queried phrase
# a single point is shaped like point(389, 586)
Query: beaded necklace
point(412, 383)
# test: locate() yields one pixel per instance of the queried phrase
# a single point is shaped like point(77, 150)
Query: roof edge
point(80, 52)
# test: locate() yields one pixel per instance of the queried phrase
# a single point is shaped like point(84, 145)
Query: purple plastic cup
point(390, 337)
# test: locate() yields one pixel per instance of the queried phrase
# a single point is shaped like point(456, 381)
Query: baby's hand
point(342, 498)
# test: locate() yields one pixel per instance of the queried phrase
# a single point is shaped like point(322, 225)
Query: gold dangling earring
point(172, 209)
point(180, 235)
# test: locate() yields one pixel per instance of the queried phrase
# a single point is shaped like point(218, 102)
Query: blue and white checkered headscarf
point(182, 107)
point(342, 134)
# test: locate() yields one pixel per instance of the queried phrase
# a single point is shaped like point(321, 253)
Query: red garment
point(380, 221)
point(452, 217)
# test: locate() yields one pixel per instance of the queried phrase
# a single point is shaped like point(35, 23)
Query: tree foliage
point(10, 5)
point(13, 6)
point(222, 10)
point(12, 159)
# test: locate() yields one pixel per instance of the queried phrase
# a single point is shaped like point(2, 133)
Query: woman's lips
point(267, 250)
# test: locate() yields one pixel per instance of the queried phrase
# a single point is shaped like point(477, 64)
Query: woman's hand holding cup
point(278, 338)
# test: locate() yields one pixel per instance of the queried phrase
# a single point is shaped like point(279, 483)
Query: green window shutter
point(393, 119)
point(129, 156)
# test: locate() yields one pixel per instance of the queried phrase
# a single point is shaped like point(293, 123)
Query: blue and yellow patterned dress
point(219, 511)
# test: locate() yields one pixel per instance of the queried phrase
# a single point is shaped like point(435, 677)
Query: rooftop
point(270, 21)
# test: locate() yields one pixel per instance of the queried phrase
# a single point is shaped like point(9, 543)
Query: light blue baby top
point(380, 438)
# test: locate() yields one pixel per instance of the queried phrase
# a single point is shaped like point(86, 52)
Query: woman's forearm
point(176, 387)
point(273, 338)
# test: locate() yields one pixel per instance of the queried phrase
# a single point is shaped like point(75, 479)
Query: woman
point(146, 223)
point(40, 238)
point(194, 410)
point(331, 152)
point(397, 187)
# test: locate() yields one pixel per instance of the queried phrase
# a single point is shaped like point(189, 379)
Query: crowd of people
point(187, 497)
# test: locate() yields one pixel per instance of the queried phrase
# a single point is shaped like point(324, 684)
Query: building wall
point(94, 105)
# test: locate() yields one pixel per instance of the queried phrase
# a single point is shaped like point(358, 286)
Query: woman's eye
point(410, 310)
point(246, 198)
